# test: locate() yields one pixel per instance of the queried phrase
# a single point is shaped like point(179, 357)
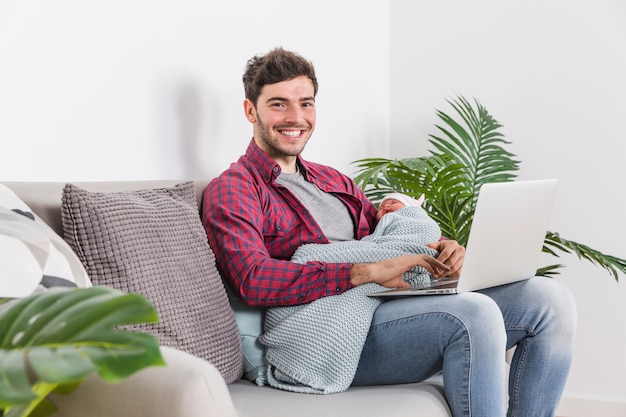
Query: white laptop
point(505, 241)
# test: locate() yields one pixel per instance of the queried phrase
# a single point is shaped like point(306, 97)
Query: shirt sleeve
point(234, 219)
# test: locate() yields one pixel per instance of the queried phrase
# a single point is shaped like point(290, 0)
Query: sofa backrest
point(177, 273)
point(44, 198)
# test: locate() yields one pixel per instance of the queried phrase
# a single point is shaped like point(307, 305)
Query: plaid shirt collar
point(266, 166)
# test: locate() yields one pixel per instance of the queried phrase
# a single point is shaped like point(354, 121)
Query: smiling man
point(272, 201)
point(283, 118)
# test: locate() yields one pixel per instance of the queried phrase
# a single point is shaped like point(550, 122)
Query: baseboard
point(585, 407)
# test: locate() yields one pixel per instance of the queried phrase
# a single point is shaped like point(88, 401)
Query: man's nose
point(293, 114)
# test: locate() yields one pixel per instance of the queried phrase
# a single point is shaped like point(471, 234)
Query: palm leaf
point(453, 214)
point(548, 271)
point(612, 264)
point(62, 336)
point(430, 175)
point(475, 143)
point(469, 151)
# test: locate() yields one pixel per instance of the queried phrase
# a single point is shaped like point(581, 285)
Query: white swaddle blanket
point(315, 348)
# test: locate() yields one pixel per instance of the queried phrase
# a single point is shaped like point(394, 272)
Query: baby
point(394, 201)
point(403, 228)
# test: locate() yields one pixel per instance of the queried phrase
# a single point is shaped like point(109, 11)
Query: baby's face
point(388, 206)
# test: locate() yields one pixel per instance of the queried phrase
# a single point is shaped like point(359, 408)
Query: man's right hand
point(389, 273)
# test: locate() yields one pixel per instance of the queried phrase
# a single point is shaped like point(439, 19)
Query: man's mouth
point(291, 133)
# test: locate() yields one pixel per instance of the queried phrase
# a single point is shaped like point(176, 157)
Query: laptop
point(505, 241)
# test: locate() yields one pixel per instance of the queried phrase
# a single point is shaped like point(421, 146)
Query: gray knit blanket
point(315, 348)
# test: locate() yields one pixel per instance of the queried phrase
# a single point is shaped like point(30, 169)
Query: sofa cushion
point(250, 321)
point(152, 242)
point(407, 400)
point(32, 256)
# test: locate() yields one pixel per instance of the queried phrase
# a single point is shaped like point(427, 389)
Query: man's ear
point(250, 111)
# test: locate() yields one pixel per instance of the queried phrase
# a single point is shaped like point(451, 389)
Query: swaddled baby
point(403, 228)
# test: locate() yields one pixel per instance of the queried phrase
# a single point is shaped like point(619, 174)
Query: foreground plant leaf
point(61, 336)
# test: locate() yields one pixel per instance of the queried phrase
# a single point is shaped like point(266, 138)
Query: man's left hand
point(451, 254)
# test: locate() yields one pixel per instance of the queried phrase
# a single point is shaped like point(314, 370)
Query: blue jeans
point(465, 337)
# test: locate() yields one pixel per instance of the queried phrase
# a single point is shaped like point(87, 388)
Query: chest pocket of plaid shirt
point(279, 233)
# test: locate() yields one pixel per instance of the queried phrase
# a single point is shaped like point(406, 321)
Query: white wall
point(554, 74)
point(145, 89)
point(134, 89)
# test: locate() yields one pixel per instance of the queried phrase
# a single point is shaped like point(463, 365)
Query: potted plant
point(51, 341)
point(468, 153)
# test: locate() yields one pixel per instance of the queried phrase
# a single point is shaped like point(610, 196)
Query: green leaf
point(548, 271)
point(612, 264)
point(468, 151)
point(14, 384)
point(61, 336)
point(475, 142)
point(64, 363)
point(41, 407)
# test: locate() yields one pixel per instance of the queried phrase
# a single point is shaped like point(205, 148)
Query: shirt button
point(338, 289)
point(275, 169)
point(320, 237)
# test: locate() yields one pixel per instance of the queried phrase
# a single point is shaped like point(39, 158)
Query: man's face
point(284, 119)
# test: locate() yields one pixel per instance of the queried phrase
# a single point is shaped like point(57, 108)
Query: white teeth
point(291, 133)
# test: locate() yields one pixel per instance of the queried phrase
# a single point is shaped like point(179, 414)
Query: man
point(272, 201)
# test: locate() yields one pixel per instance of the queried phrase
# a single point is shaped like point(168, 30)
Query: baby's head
point(395, 201)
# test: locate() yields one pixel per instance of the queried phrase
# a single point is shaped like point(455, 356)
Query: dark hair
point(275, 66)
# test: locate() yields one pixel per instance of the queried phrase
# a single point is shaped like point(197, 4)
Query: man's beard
point(274, 147)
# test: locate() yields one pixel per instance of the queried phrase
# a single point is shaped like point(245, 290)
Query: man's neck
point(287, 163)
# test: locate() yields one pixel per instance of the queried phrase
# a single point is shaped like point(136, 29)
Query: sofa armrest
point(186, 387)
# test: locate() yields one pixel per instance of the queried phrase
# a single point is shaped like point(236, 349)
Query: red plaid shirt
point(254, 226)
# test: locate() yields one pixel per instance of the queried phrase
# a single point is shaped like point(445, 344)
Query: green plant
point(49, 342)
point(467, 153)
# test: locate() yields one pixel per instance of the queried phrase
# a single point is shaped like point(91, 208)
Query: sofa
point(190, 385)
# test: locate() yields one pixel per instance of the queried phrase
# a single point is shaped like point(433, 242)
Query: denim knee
point(537, 305)
point(482, 320)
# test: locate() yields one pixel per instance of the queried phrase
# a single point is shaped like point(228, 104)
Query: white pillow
point(32, 256)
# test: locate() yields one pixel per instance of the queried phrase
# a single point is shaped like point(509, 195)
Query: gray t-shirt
point(328, 211)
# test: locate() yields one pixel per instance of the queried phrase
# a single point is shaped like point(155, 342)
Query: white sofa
point(189, 386)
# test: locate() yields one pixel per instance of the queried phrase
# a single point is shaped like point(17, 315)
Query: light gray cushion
point(250, 321)
point(33, 257)
point(152, 242)
point(424, 399)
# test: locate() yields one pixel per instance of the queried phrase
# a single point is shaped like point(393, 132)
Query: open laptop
point(505, 241)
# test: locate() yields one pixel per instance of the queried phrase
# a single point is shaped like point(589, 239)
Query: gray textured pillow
point(152, 242)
